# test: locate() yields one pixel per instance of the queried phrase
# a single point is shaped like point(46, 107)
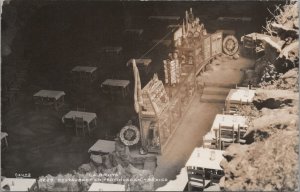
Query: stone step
point(216, 91)
point(217, 84)
point(213, 98)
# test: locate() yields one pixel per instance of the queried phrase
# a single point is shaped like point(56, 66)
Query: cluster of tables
point(55, 99)
point(238, 96)
point(209, 156)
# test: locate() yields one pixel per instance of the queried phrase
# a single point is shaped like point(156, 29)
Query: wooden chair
point(233, 107)
point(215, 177)
point(69, 123)
point(60, 103)
point(81, 108)
point(240, 135)
point(93, 77)
point(209, 143)
point(226, 136)
point(4, 144)
point(38, 102)
point(49, 102)
point(196, 178)
point(214, 184)
point(79, 124)
point(86, 77)
point(225, 112)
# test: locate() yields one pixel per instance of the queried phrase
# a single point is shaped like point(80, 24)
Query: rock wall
point(267, 165)
point(281, 47)
point(269, 160)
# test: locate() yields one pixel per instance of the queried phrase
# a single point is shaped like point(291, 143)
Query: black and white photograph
point(149, 95)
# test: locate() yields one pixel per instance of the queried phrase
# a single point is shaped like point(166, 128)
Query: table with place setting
point(205, 158)
point(50, 98)
point(228, 120)
point(242, 95)
point(89, 118)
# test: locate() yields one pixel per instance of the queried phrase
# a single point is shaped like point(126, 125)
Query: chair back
point(215, 178)
point(37, 100)
point(79, 122)
point(226, 132)
point(233, 107)
point(196, 175)
point(241, 132)
point(209, 143)
point(81, 108)
point(196, 171)
point(69, 122)
point(226, 136)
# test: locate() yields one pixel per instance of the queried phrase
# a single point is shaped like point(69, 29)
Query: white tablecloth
point(106, 187)
point(3, 135)
point(243, 95)
point(18, 184)
point(112, 49)
point(50, 93)
point(137, 31)
point(87, 116)
point(84, 69)
point(228, 120)
point(201, 158)
point(116, 82)
point(103, 146)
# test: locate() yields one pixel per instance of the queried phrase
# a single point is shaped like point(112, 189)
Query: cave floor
point(40, 145)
